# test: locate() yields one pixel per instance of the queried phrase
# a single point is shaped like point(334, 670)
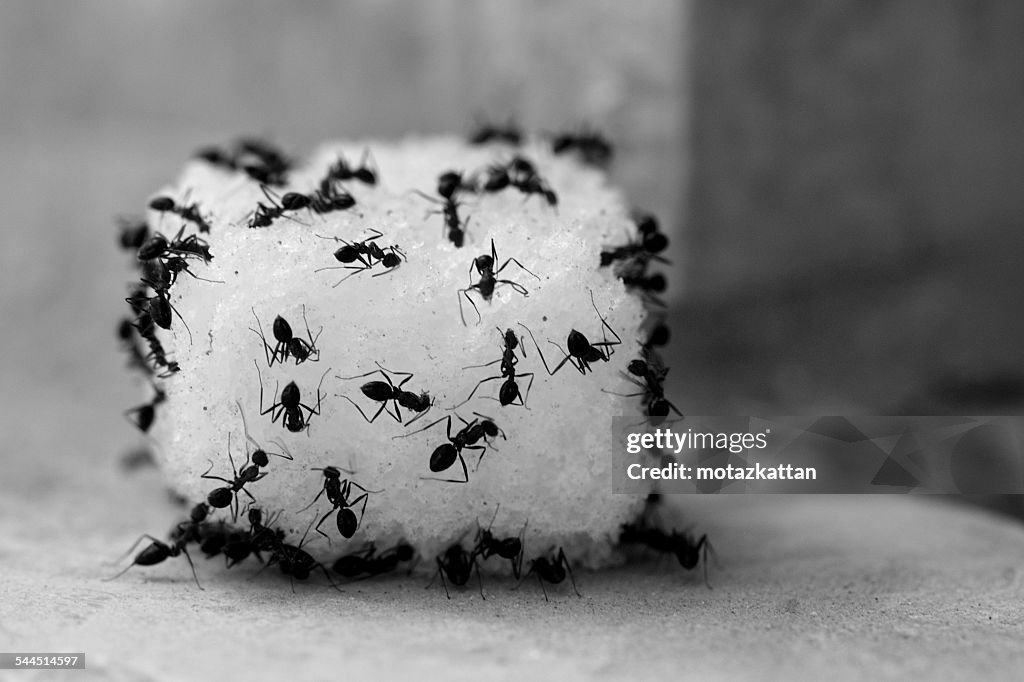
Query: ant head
point(655, 242)
point(518, 164)
point(260, 458)
point(646, 223)
point(550, 197)
point(448, 182)
point(658, 408)
point(391, 260)
point(511, 340)
point(282, 330)
point(255, 516)
point(656, 283)
point(199, 512)
point(332, 472)
point(154, 247)
point(366, 176)
point(162, 204)
point(293, 201)
point(637, 368)
point(659, 336)
point(490, 428)
point(483, 262)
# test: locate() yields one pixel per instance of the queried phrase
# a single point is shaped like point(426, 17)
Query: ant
point(507, 548)
point(367, 252)
point(264, 215)
point(157, 551)
point(367, 561)
point(261, 161)
point(159, 246)
point(635, 255)
point(581, 353)
point(145, 414)
point(509, 391)
point(383, 391)
point(147, 330)
point(126, 333)
point(484, 265)
point(650, 376)
point(227, 496)
point(649, 285)
point(295, 562)
point(290, 406)
point(328, 199)
point(287, 343)
point(687, 550)
point(473, 432)
point(521, 174)
point(341, 171)
point(190, 212)
point(594, 149)
point(552, 570)
point(487, 132)
point(338, 491)
point(449, 184)
point(157, 307)
point(458, 564)
point(133, 233)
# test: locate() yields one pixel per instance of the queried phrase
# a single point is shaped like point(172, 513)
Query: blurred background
point(839, 177)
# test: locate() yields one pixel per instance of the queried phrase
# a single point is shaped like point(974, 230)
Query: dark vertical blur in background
point(839, 176)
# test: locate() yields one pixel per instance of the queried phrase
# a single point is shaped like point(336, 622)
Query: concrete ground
point(807, 587)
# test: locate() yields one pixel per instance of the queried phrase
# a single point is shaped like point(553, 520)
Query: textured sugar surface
point(554, 469)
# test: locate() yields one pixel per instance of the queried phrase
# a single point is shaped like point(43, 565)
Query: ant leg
point(479, 579)
point(542, 358)
point(486, 364)
point(564, 560)
point(407, 375)
point(481, 382)
point(604, 322)
point(528, 386)
point(483, 451)
point(192, 566)
point(465, 292)
point(430, 425)
point(131, 549)
point(266, 346)
point(540, 581)
point(513, 260)
point(568, 358)
point(516, 286)
point(368, 420)
point(322, 490)
point(320, 523)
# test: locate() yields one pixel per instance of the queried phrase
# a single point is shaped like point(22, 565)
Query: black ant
point(449, 185)
point(288, 345)
point(328, 199)
point(521, 174)
point(445, 455)
point(507, 548)
point(486, 132)
point(295, 562)
point(290, 405)
point(264, 215)
point(383, 391)
point(552, 570)
point(261, 161)
point(635, 255)
point(189, 212)
point(126, 333)
point(367, 561)
point(158, 307)
point(221, 498)
point(649, 285)
point(132, 233)
point(367, 253)
point(650, 376)
point(594, 149)
point(158, 551)
point(457, 564)
point(338, 492)
point(162, 273)
point(509, 391)
point(581, 353)
point(341, 171)
point(145, 414)
point(147, 330)
point(484, 265)
point(159, 246)
point(687, 550)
